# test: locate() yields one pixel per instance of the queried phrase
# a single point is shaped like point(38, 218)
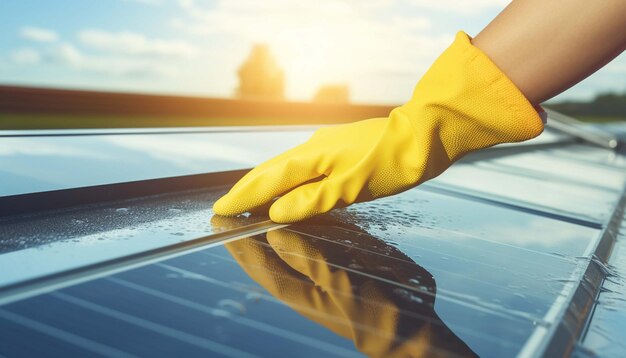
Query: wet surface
point(606, 336)
point(454, 221)
point(57, 241)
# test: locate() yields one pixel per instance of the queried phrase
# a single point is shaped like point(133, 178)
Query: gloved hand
point(354, 293)
point(463, 103)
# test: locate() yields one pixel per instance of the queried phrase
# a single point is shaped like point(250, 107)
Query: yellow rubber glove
point(463, 103)
point(367, 305)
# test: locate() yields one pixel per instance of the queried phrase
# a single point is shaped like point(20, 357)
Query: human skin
point(546, 47)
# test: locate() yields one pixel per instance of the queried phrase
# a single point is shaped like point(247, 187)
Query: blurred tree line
point(603, 105)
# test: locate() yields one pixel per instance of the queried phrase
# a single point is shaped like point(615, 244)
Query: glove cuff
point(470, 102)
point(527, 121)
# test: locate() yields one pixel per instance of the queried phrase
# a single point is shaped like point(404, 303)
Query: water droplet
point(414, 281)
point(253, 296)
point(408, 295)
point(355, 266)
point(232, 306)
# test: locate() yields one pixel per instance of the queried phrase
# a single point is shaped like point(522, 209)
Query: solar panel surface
point(461, 266)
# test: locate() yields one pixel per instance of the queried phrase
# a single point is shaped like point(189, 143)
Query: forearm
point(545, 47)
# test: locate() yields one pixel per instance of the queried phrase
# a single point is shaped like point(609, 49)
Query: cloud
point(135, 44)
point(125, 54)
point(25, 56)
point(68, 55)
point(187, 4)
point(38, 34)
point(617, 66)
point(146, 2)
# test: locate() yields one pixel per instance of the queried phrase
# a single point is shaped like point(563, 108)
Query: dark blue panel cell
point(239, 295)
point(219, 316)
point(18, 340)
point(59, 310)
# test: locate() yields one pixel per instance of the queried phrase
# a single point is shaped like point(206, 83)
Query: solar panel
point(392, 274)
point(448, 268)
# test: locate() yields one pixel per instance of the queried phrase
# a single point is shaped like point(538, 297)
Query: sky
point(379, 48)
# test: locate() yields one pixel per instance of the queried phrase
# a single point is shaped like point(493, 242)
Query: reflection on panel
point(393, 219)
point(319, 287)
point(34, 164)
point(588, 154)
point(562, 169)
point(565, 197)
point(308, 296)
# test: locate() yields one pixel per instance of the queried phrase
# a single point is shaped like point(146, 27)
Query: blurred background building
point(260, 77)
point(332, 94)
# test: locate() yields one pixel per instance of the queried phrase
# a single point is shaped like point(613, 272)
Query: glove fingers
point(267, 181)
point(311, 199)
